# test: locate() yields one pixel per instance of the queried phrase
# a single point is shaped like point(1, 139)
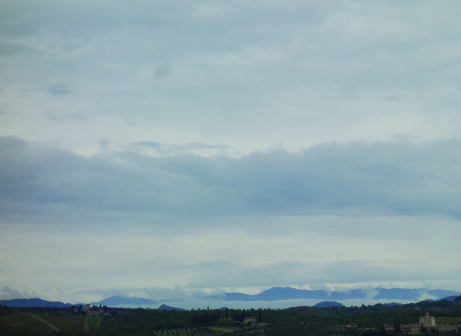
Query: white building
point(249, 320)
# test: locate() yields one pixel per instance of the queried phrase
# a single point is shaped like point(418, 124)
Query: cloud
point(325, 276)
point(59, 117)
point(7, 293)
point(59, 89)
point(259, 119)
point(11, 48)
point(128, 259)
point(426, 296)
point(162, 70)
point(393, 178)
point(242, 75)
point(162, 149)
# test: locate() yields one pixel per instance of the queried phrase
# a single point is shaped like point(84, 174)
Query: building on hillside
point(427, 321)
point(351, 325)
point(249, 320)
point(389, 327)
point(410, 328)
point(447, 327)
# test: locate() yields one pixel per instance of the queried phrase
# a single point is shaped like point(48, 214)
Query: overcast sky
point(164, 148)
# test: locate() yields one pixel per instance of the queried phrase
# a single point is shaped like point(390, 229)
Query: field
point(188, 331)
point(25, 322)
point(65, 322)
point(92, 323)
point(447, 320)
point(178, 332)
point(223, 329)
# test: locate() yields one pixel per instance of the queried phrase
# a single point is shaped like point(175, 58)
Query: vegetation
point(210, 322)
point(93, 323)
point(24, 322)
point(448, 320)
point(64, 322)
point(379, 314)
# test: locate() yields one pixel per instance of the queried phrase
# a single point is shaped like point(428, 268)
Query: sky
point(166, 149)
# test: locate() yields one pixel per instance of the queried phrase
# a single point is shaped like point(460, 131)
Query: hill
point(165, 307)
point(117, 301)
point(326, 304)
point(33, 303)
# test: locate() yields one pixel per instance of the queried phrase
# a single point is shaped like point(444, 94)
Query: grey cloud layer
point(246, 74)
point(401, 178)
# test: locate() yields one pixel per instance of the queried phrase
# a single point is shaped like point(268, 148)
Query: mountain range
point(272, 294)
point(116, 301)
point(33, 303)
point(288, 293)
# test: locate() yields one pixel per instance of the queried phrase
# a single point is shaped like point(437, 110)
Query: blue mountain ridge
point(33, 303)
point(272, 294)
point(115, 301)
point(288, 293)
point(326, 304)
point(165, 307)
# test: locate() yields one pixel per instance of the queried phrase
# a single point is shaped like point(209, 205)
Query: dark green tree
point(397, 328)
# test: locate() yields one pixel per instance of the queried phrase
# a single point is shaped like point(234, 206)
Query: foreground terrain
point(327, 321)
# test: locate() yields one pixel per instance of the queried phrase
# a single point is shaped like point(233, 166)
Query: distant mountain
point(224, 308)
point(394, 304)
point(272, 294)
point(326, 304)
point(33, 303)
point(116, 301)
point(288, 293)
point(450, 298)
point(165, 307)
